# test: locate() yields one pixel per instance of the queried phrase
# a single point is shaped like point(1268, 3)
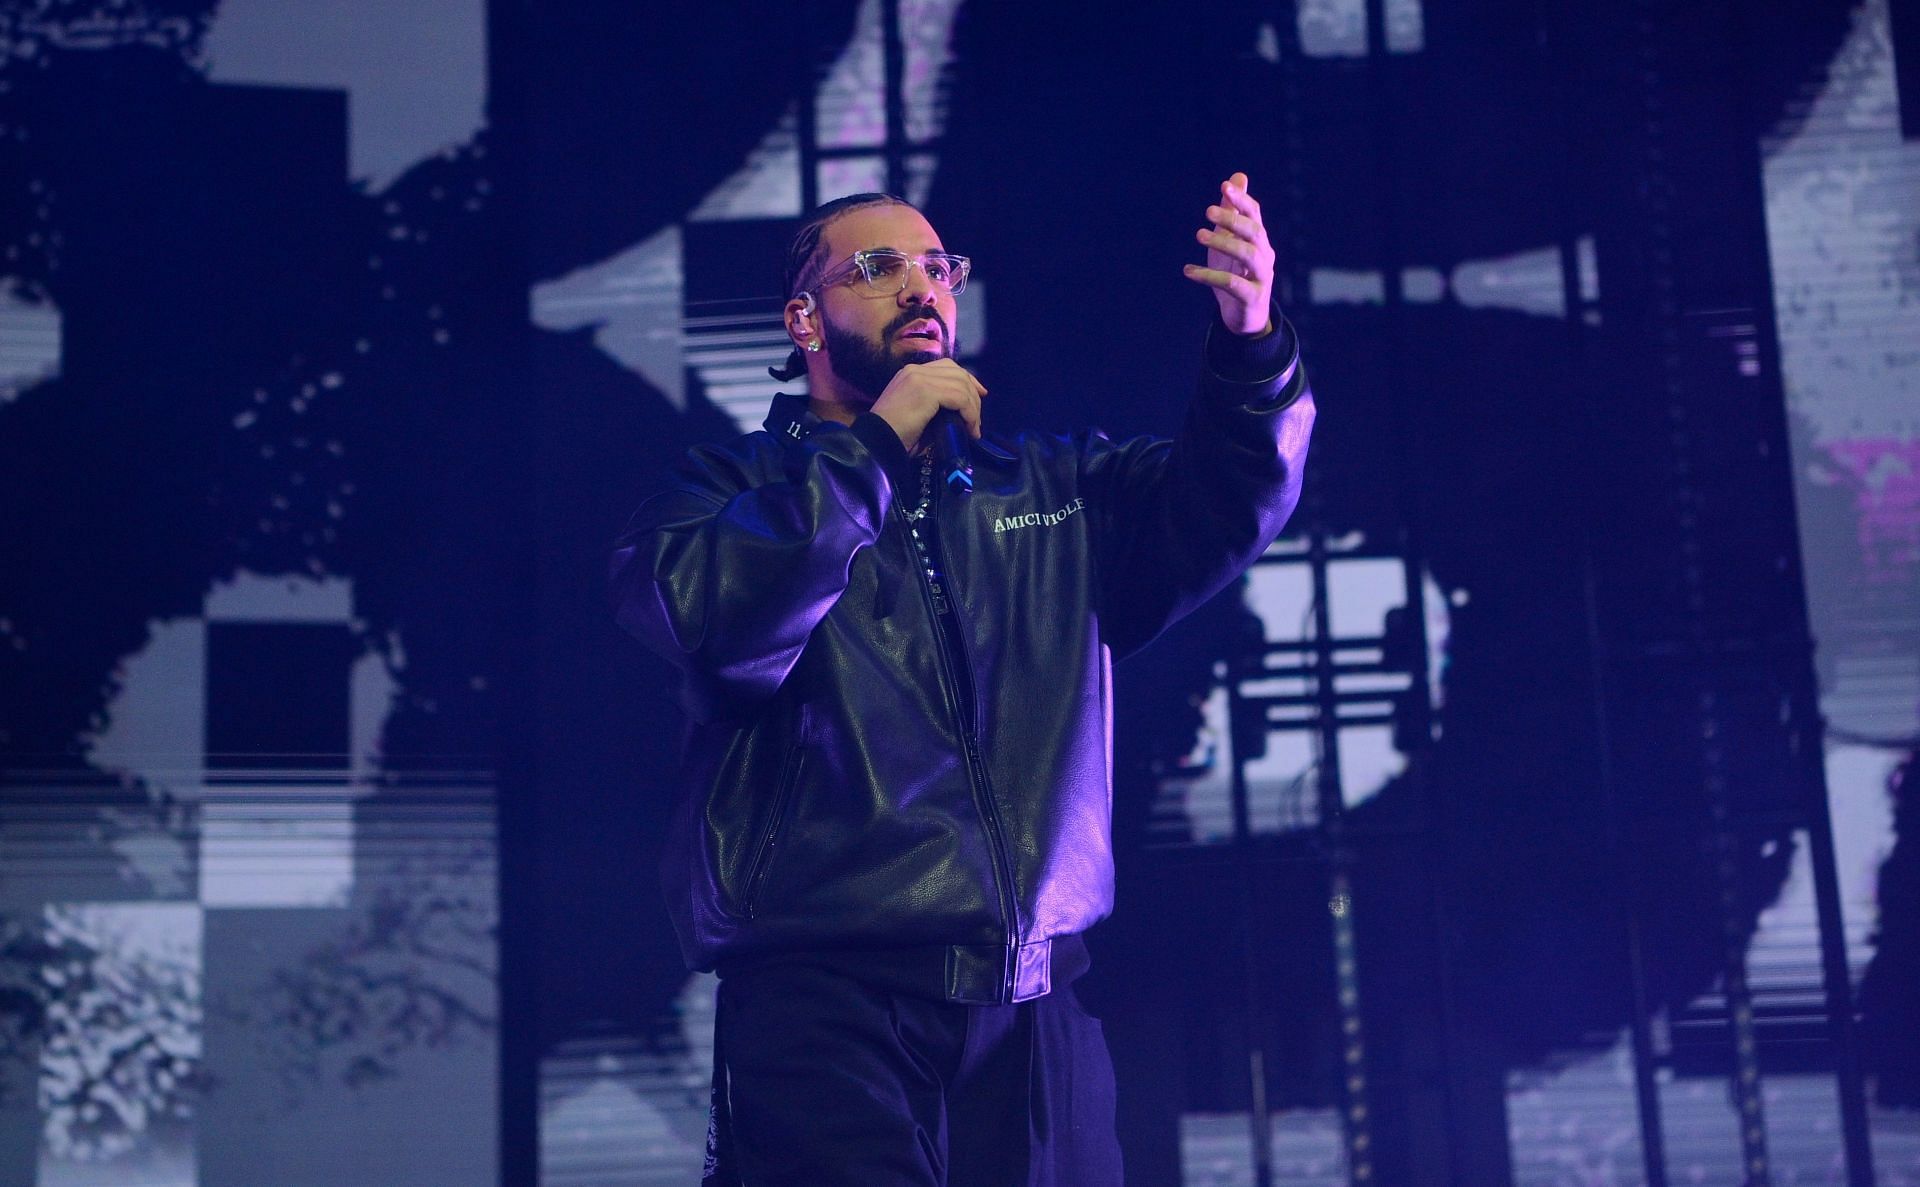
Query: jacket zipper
point(952, 657)
point(763, 854)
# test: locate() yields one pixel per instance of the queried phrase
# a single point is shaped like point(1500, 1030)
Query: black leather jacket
point(861, 773)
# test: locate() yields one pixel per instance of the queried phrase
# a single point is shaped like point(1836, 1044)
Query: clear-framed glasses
point(883, 272)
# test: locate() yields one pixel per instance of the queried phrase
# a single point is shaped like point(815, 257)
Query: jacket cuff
point(1260, 374)
point(884, 444)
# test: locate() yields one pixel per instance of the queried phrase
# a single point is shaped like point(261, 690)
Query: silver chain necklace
point(920, 512)
point(926, 490)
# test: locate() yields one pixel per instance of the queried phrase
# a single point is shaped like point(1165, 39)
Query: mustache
point(921, 313)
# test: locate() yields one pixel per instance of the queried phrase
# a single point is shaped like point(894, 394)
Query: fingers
point(1237, 213)
point(1233, 192)
point(963, 401)
point(1232, 283)
point(942, 366)
point(970, 406)
point(944, 377)
point(1237, 243)
point(955, 387)
point(966, 398)
point(1241, 249)
point(1248, 227)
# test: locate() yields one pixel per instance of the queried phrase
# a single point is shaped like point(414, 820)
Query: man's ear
point(800, 324)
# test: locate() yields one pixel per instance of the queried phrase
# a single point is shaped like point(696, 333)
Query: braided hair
point(807, 255)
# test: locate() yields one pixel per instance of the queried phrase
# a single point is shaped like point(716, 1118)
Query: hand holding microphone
point(936, 405)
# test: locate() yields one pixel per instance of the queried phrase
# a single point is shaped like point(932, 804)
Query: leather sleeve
point(1180, 519)
point(726, 577)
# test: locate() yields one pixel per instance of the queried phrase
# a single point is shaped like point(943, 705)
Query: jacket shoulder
point(1055, 448)
point(728, 466)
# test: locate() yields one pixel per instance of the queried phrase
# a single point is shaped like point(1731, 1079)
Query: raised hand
point(1239, 267)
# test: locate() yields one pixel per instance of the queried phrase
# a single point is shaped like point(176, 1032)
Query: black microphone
point(950, 451)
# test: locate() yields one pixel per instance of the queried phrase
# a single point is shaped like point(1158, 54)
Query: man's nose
point(920, 289)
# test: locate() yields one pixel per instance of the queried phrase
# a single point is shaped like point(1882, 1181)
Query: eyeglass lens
point(887, 272)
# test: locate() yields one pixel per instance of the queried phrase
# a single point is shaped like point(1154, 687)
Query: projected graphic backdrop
point(301, 431)
point(246, 844)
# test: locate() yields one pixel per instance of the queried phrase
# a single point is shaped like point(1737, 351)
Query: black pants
point(821, 1080)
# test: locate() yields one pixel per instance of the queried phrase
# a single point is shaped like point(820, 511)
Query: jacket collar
point(791, 417)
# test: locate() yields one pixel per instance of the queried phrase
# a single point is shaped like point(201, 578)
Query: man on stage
point(893, 823)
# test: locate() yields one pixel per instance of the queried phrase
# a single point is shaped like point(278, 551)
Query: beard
point(868, 365)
